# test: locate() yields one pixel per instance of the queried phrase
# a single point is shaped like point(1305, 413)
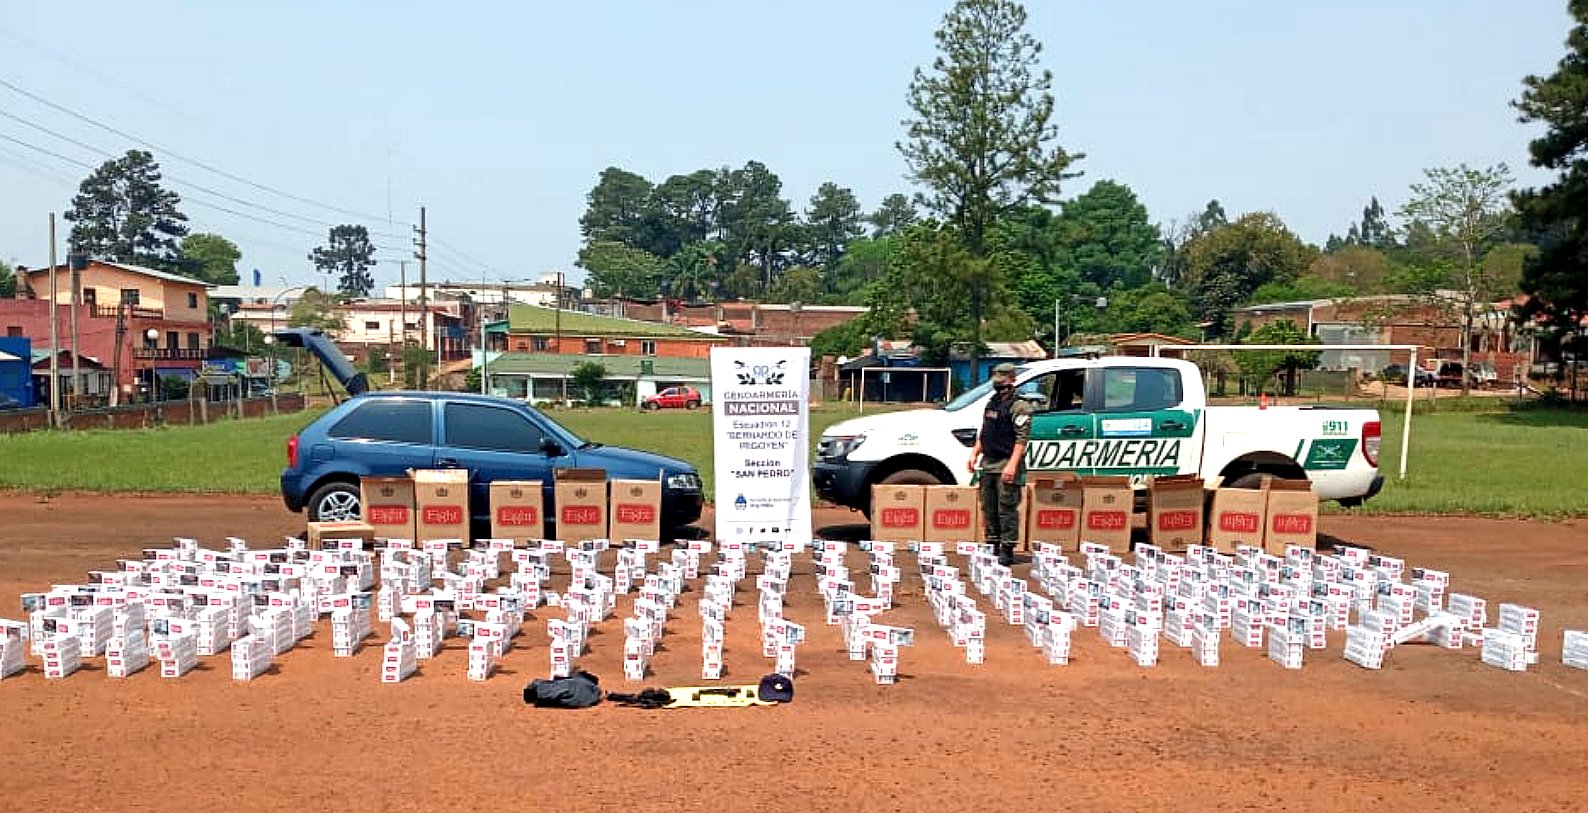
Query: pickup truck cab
point(1111, 416)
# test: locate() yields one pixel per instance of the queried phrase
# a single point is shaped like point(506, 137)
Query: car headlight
point(688, 481)
point(838, 447)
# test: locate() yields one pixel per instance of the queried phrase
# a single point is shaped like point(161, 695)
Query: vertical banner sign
point(760, 408)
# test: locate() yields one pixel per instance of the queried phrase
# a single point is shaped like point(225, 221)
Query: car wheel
point(910, 477)
point(334, 502)
point(650, 406)
point(691, 405)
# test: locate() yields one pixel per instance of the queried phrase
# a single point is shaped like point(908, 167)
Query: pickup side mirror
point(551, 448)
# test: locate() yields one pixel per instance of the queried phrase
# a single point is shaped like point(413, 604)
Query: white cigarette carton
point(63, 655)
point(251, 657)
point(1365, 646)
point(1505, 649)
point(1285, 646)
point(1574, 649)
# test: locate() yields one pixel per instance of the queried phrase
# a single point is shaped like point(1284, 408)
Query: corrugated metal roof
point(554, 364)
point(538, 320)
point(161, 275)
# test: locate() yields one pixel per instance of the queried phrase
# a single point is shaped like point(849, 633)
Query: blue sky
point(498, 117)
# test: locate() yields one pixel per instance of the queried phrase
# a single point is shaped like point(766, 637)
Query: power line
point(174, 154)
point(465, 257)
point(175, 179)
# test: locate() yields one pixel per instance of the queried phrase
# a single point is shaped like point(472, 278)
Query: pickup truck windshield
point(969, 396)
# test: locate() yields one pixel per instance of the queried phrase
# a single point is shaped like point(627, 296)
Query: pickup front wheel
point(909, 477)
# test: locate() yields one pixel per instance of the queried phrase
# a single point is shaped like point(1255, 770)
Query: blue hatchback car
point(389, 433)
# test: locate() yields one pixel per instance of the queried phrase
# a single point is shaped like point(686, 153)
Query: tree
point(1172, 268)
point(348, 254)
point(1152, 308)
point(798, 284)
point(1105, 236)
point(864, 262)
point(121, 213)
point(689, 207)
point(1556, 280)
point(1260, 364)
point(1225, 266)
point(211, 258)
point(692, 272)
point(982, 140)
point(758, 223)
point(8, 280)
point(1361, 269)
point(617, 208)
point(1464, 211)
point(588, 379)
point(930, 275)
point(894, 215)
point(319, 310)
point(618, 269)
point(831, 222)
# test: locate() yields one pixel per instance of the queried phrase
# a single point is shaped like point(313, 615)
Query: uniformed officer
point(1000, 455)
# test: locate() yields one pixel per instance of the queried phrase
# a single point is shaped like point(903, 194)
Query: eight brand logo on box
point(1107, 520)
point(636, 514)
point(580, 515)
point(1056, 519)
point(900, 517)
point(388, 514)
point(1237, 522)
point(1178, 521)
point(442, 515)
point(1292, 524)
point(951, 518)
point(517, 515)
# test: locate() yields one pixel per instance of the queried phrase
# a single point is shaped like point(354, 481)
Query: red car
point(673, 398)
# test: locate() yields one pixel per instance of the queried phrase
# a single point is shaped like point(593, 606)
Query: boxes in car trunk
point(388, 506)
point(581, 497)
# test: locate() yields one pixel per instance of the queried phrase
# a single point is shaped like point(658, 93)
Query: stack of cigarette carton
point(564, 648)
point(1205, 638)
point(275, 624)
point(1473, 611)
point(785, 637)
point(178, 654)
point(13, 636)
point(1430, 586)
point(250, 657)
point(1247, 620)
point(1143, 641)
point(1365, 646)
point(1524, 622)
point(1574, 649)
point(349, 628)
point(398, 660)
point(93, 626)
point(63, 655)
point(1505, 649)
point(1287, 642)
point(1055, 643)
point(483, 655)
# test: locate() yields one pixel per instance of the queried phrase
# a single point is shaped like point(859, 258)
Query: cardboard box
point(1055, 509)
point(1291, 515)
point(898, 512)
point(581, 503)
point(321, 531)
point(518, 509)
point(1106, 508)
point(636, 509)
point(441, 504)
point(1175, 507)
point(1237, 518)
point(953, 513)
point(388, 506)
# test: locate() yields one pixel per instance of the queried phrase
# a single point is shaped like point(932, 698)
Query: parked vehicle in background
point(1396, 374)
point(673, 398)
point(1483, 375)
point(1449, 375)
point(391, 433)
point(7, 402)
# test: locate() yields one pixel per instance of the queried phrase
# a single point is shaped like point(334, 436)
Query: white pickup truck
point(1112, 415)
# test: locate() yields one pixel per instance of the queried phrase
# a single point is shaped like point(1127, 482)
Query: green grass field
point(1531, 463)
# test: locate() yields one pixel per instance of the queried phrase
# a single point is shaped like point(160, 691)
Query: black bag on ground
point(578, 691)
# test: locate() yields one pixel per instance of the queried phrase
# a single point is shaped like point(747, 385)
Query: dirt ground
point(1434, 730)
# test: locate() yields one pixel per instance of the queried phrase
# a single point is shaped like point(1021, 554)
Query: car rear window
point(472, 426)
point(385, 419)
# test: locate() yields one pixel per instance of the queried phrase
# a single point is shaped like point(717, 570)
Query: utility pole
point(424, 304)
point(75, 262)
point(55, 337)
point(402, 280)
